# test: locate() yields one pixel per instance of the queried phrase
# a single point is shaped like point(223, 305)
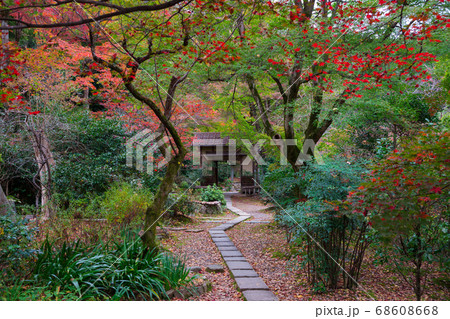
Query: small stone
point(259, 295)
point(238, 265)
point(170, 293)
point(224, 244)
point(194, 230)
point(227, 248)
point(180, 294)
point(227, 259)
point(221, 239)
point(215, 268)
point(254, 283)
point(195, 269)
point(176, 228)
point(243, 273)
point(235, 253)
point(257, 222)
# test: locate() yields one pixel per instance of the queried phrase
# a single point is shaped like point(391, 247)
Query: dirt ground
point(264, 245)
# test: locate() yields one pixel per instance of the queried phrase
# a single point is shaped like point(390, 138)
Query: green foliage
point(190, 173)
point(410, 187)
point(213, 194)
point(20, 290)
point(406, 199)
point(281, 183)
point(180, 202)
point(337, 142)
point(385, 115)
point(383, 147)
point(123, 203)
point(123, 271)
point(152, 181)
point(184, 185)
point(330, 181)
point(323, 228)
point(227, 184)
point(97, 161)
point(174, 270)
point(15, 240)
point(333, 180)
point(327, 237)
point(445, 121)
point(86, 207)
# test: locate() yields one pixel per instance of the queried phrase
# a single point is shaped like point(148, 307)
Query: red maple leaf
point(436, 190)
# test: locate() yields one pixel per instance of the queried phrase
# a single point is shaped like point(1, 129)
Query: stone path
point(252, 286)
point(252, 207)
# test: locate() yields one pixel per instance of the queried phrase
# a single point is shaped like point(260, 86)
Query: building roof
point(209, 139)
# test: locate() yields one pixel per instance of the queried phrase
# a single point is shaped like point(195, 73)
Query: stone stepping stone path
point(252, 286)
point(195, 230)
point(258, 222)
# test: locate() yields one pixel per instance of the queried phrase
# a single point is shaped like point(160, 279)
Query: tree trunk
point(418, 282)
point(45, 162)
point(155, 211)
point(4, 55)
point(4, 204)
point(418, 289)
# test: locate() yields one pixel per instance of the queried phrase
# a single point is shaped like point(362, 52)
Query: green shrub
point(95, 159)
point(323, 226)
point(445, 121)
point(123, 203)
point(180, 203)
point(184, 185)
point(406, 198)
point(228, 184)
point(15, 240)
point(76, 208)
point(331, 181)
point(282, 184)
point(21, 290)
point(213, 194)
point(123, 271)
point(327, 236)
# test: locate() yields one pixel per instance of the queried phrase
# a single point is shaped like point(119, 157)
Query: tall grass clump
point(124, 270)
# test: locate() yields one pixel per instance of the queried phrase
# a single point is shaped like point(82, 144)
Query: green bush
point(445, 121)
point(21, 290)
point(282, 185)
point(123, 203)
point(123, 271)
point(333, 180)
point(95, 160)
point(323, 227)
point(330, 181)
point(180, 203)
point(213, 194)
point(15, 240)
point(327, 236)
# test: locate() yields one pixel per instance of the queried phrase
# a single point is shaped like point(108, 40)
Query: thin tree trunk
point(156, 210)
point(4, 55)
point(418, 289)
point(45, 162)
point(4, 204)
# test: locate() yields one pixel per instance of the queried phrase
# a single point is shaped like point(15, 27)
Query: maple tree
point(47, 79)
point(302, 61)
point(161, 42)
point(405, 198)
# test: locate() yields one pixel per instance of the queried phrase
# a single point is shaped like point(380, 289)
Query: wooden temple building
point(211, 148)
